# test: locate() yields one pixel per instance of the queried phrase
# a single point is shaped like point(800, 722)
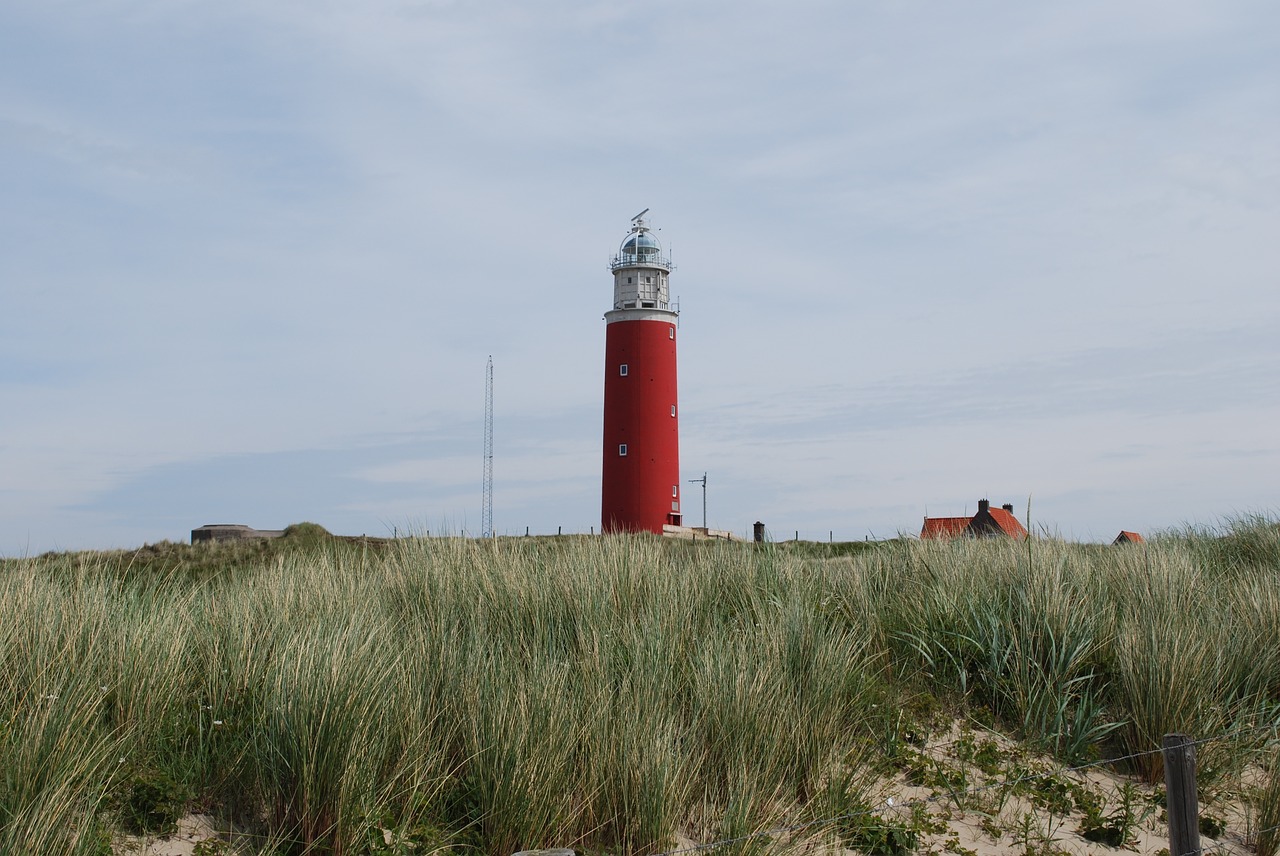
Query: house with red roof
point(944, 528)
point(987, 523)
point(1126, 537)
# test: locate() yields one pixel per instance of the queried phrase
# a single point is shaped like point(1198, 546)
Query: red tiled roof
point(1008, 524)
point(1126, 537)
point(943, 528)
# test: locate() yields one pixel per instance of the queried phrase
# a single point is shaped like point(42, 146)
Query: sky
point(254, 257)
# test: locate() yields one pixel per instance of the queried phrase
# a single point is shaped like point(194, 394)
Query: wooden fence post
point(1180, 786)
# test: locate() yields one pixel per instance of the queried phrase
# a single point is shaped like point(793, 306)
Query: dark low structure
point(231, 532)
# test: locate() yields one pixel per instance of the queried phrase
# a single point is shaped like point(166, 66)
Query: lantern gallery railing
point(654, 260)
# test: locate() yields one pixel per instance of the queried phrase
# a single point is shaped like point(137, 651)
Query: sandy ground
point(192, 830)
point(944, 795)
point(983, 819)
point(976, 816)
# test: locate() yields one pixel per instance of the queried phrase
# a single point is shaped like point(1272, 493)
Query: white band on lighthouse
point(641, 315)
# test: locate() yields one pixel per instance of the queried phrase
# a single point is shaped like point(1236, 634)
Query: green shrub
point(153, 802)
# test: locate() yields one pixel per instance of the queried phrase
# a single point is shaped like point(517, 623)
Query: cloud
point(1196, 372)
point(281, 239)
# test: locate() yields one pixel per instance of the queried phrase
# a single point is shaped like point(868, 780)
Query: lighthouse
point(641, 474)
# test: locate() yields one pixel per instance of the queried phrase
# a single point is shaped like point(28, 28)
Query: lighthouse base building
point(640, 490)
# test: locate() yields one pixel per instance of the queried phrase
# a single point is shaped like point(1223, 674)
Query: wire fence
point(1223, 846)
point(908, 806)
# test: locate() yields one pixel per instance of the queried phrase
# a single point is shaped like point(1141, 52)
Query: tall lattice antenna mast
point(486, 500)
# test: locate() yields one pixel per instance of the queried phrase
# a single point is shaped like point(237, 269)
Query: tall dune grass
point(600, 693)
point(1267, 804)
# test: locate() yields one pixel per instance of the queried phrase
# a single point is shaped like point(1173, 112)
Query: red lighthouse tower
point(641, 487)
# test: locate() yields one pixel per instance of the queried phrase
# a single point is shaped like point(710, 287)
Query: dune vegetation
point(616, 695)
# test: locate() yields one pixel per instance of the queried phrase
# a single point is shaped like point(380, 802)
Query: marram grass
point(607, 694)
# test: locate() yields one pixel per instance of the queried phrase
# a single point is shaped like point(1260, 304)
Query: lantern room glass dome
point(642, 245)
point(641, 249)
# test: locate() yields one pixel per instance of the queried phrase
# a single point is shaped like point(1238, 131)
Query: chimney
point(1008, 506)
point(984, 506)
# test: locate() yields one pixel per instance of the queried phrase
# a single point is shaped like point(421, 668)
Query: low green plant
point(941, 776)
point(1211, 825)
point(152, 802)
point(1054, 793)
point(1118, 828)
point(988, 757)
point(1036, 839)
point(387, 841)
point(212, 847)
point(876, 835)
point(99, 844)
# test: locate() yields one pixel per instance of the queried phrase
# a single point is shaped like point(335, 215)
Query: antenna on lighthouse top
point(636, 219)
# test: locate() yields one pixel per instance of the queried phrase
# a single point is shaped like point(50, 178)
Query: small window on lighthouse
point(673, 411)
point(622, 450)
point(675, 491)
point(671, 332)
point(628, 280)
point(622, 369)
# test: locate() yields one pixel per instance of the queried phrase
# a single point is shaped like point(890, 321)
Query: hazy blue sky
point(253, 257)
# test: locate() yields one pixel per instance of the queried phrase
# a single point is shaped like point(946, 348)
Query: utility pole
point(702, 481)
point(486, 494)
